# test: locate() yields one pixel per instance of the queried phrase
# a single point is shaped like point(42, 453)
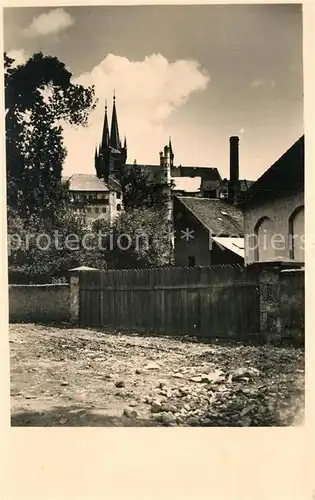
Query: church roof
point(105, 135)
point(114, 131)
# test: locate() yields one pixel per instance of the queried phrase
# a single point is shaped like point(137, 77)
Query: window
point(106, 202)
point(263, 245)
point(296, 234)
point(97, 210)
point(88, 209)
point(118, 195)
point(104, 210)
point(191, 261)
point(118, 207)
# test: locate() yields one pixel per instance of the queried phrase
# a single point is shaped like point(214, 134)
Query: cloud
point(19, 56)
point(262, 82)
point(52, 22)
point(148, 92)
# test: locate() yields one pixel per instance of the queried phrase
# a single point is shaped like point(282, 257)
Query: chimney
point(234, 160)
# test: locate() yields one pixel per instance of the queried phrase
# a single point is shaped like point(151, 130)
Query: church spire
point(114, 131)
point(105, 136)
point(171, 150)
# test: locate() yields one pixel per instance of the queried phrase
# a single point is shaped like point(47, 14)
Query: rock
point(167, 417)
point(64, 383)
point(186, 407)
point(152, 366)
point(120, 383)
point(128, 412)
point(196, 379)
point(193, 421)
point(30, 396)
point(148, 401)
point(246, 372)
point(212, 378)
point(162, 393)
point(162, 384)
point(156, 407)
point(133, 403)
point(184, 391)
point(168, 407)
point(137, 372)
point(205, 421)
point(178, 375)
point(108, 376)
point(63, 421)
point(246, 422)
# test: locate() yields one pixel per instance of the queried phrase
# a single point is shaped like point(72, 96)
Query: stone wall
point(292, 302)
point(39, 303)
point(281, 302)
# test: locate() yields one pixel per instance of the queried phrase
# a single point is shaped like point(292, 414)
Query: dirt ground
point(76, 377)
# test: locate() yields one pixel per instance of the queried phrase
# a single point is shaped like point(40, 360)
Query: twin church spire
point(111, 156)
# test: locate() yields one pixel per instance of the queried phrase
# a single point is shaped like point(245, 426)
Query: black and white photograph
point(155, 215)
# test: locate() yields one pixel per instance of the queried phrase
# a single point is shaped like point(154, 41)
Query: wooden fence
point(215, 301)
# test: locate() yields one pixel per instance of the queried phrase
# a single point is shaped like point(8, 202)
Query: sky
point(196, 73)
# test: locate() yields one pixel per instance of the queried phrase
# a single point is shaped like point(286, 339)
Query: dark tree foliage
point(39, 99)
point(139, 191)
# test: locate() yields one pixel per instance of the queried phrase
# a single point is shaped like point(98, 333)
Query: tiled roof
point(187, 184)
point(218, 216)
point(285, 176)
point(86, 182)
point(206, 173)
point(152, 170)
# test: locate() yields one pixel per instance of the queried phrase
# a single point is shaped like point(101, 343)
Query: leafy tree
point(138, 238)
point(39, 100)
point(139, 191)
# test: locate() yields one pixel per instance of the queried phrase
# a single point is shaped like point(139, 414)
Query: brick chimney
point(234, 159)
point(234, 170)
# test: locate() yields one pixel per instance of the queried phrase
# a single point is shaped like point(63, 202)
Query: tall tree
point(39, 99)
point(139, 191)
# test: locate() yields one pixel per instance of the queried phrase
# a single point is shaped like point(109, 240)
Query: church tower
point(111, 156)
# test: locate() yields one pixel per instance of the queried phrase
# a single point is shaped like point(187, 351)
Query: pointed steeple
point(114, 131)
point(171, 150)
point(125, 143)
point(105, 135)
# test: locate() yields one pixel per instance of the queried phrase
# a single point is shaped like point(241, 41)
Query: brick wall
point(30, 303)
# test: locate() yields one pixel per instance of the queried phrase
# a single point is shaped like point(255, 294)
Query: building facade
point(93, 198)
point(207, 232)
point(274, 211)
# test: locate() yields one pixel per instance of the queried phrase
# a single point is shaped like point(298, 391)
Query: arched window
point(296, 234)
point(264, 248)
point(118, 207)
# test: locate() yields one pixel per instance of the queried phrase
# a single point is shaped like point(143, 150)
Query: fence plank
point(210, 301)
